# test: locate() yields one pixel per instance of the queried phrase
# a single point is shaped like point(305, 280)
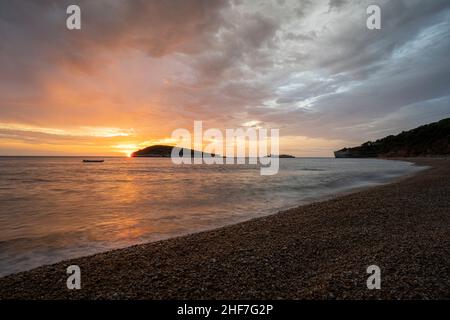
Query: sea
point(56, 208)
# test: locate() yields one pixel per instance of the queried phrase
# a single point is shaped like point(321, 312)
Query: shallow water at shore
point(57, 208)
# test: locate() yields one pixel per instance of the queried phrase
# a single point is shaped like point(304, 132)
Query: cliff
point(428, 140)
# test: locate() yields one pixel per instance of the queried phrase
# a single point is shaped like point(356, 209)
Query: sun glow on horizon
point(126, 149)
point(82, 131)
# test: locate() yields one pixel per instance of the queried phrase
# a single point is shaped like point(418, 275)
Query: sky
point(137, 70)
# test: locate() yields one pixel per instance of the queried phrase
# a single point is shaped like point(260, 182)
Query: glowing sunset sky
point(137, 70)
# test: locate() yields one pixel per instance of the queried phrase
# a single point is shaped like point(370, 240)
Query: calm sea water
point(54, 208)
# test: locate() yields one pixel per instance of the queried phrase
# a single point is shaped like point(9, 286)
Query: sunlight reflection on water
point(54, 208)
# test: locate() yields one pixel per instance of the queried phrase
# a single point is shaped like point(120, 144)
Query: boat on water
point(92, 160)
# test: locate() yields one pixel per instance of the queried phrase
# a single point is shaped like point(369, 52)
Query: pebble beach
point(317, 251)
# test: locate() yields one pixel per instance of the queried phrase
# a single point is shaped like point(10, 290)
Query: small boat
point(87, 160)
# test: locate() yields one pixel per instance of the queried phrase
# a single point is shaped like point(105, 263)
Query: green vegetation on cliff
point(428, 140)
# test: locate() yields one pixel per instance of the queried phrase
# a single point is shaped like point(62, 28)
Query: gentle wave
point(53, 209)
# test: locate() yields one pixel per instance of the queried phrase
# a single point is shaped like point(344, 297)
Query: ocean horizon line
point(92, 156)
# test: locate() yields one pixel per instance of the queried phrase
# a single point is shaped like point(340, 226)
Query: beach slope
point(317, 251)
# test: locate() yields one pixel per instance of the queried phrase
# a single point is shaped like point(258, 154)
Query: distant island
point(282, 156)
point(428, 140)
point(162, 151)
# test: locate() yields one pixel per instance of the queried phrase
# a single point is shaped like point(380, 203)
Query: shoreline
point(198, 265)
point(327, 193)
point(321, 197)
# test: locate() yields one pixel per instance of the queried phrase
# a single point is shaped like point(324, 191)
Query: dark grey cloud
point(34, 36)
point(336, 4)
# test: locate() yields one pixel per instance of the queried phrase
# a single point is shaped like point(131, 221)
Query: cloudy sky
point(139, 69)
